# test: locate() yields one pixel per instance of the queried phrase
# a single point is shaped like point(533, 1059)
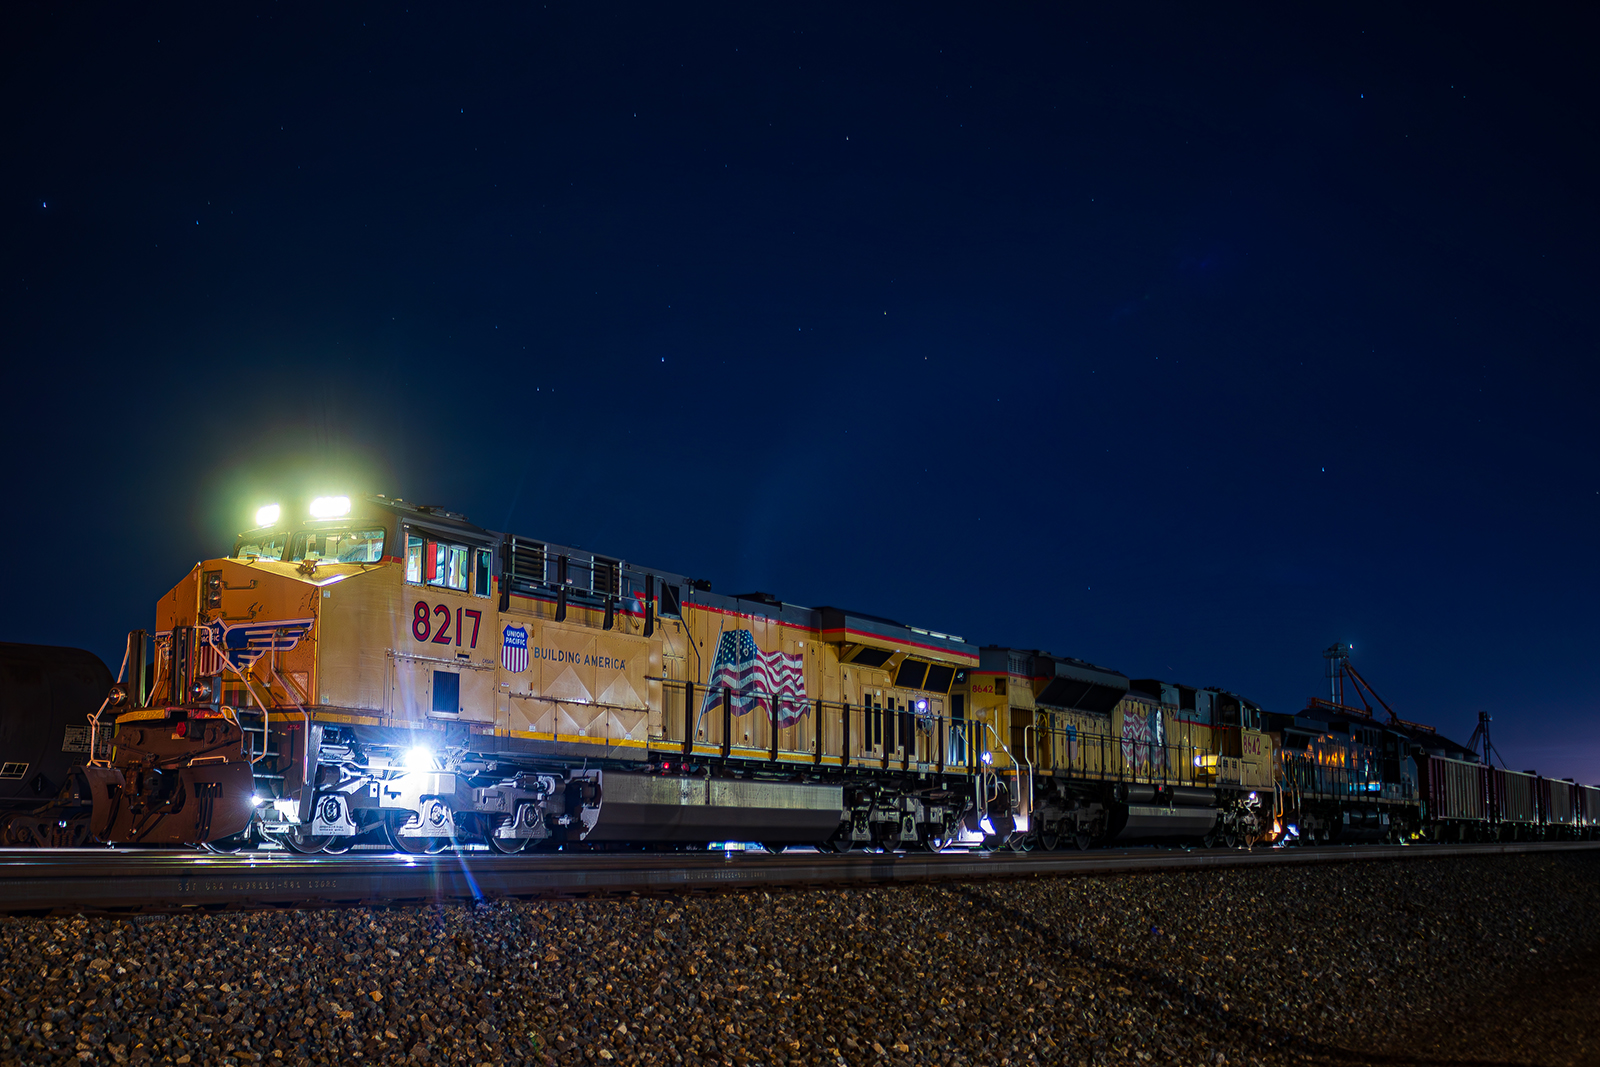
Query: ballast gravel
point(1483, 960)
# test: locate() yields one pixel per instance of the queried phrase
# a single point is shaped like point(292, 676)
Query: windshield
point(338, 546)
point(263, 544)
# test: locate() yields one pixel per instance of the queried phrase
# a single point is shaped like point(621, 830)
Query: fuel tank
point(1149, 814)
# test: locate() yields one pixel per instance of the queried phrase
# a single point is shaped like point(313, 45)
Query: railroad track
point(79, 880)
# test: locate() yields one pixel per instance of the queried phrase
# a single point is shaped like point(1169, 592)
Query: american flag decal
point(758, 679)
point(514, 649)
point(1141, 738)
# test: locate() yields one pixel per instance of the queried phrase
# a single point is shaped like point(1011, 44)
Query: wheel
point(1049, 840)
point(414, 846)
point(1083, 839)
point(1209, 841)
point(506, 846)
point(487, 825)
point(419, 846)
point(773, 849)
point(228, 845)
point(1230, 840)
point(305, 844)
point(1022, 843)
point(338, 846)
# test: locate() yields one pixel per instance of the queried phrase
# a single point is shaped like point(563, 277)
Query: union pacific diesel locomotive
point(382, 672)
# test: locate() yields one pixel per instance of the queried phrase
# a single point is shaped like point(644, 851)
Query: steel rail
point(109, 880)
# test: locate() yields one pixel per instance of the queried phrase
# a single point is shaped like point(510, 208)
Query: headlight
point(266, 516)
point(419, 759)
point(330, 507)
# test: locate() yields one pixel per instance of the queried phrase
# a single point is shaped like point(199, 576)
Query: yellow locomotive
point(381, 670)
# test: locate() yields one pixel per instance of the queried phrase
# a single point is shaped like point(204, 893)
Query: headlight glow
point(268, 514)
point(419, 758)
point(330, 507)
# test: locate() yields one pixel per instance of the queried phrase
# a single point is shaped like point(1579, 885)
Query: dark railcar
point(1559, 804)
point(46, 697)
point(1514, 801)
point(1455, 794)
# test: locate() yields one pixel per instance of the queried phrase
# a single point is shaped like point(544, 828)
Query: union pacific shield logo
point(514, 650)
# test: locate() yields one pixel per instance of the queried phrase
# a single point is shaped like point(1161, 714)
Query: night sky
point(1184, 339)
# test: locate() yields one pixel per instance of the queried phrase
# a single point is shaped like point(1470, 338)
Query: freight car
point(46, 697)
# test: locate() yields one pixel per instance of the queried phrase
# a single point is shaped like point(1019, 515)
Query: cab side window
point(450, 566)
point(413, 558)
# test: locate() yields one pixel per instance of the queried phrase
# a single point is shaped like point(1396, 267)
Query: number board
point(438, 624)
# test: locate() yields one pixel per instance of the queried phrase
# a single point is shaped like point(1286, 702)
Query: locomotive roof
point(1067, 682)
point(840, 624)
point(1319, 718)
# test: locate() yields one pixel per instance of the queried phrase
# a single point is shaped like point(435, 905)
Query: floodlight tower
point(1337, 659)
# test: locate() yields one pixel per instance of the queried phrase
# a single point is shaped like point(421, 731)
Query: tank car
point(47, 695)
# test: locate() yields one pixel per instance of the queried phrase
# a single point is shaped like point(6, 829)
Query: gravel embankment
point(1490, 960)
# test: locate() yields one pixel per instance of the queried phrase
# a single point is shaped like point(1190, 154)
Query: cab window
point(261, 546)
point(430, 562)
point(337, 546)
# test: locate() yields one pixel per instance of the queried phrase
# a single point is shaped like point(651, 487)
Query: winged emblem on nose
point(245, 643)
